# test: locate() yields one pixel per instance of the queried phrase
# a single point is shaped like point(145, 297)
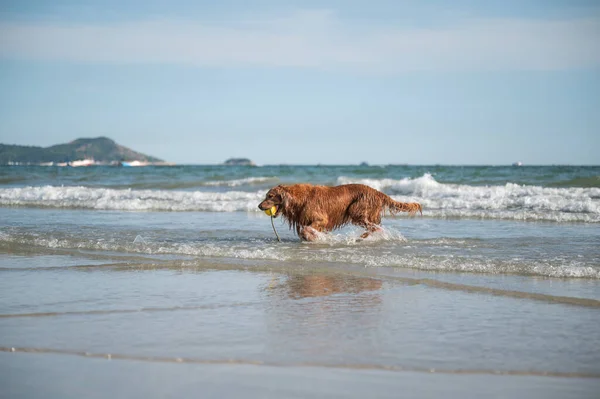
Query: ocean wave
point(128, 200)
point(337, 252)
point(407, 186)
point(590, 181)
point(198, 184)
point(248, 181)
point(510, 201)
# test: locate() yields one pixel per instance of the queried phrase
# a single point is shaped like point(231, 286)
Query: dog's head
point(275, 198)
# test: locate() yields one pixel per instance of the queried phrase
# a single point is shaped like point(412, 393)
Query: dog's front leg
point(308, 233)
point(311, 232)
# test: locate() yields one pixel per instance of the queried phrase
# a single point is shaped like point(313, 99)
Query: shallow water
point(506, 247)
point(96, 295)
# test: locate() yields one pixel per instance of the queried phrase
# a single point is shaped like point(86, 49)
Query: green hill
point(100, 149)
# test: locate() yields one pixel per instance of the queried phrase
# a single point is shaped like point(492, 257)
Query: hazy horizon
point(310, 164)
point(305, 82)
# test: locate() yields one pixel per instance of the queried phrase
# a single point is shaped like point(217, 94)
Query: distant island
point(80, 152)
point(239, 162)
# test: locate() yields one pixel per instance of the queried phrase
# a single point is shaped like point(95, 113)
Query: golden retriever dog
point(310, 209)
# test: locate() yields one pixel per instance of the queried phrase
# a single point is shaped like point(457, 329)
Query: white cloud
point(314, 39)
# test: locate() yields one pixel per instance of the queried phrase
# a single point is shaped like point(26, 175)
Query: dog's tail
point(396, 206)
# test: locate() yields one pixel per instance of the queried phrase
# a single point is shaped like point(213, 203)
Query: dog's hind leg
point(371, 228)
point(369, 219)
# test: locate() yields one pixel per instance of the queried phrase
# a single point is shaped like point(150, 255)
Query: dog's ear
point(283, 193)
point(280, 189)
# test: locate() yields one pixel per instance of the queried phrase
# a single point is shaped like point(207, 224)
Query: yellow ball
point(271, 211)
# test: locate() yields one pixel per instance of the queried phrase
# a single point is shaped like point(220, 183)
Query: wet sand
point(75, 377)
point(227, 329)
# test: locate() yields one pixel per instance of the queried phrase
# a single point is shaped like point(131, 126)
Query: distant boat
point(135, 163)
point(518, 163)
point(82, 162)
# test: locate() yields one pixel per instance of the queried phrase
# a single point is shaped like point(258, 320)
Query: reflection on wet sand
point(317, 285)
point(308, 313)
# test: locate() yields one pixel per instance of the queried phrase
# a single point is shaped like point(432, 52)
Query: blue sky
point(306, 82)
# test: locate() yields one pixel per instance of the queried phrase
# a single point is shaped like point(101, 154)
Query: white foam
point(358, 252)
point(129, 200)
point(509, 201)
point(417, 186)
point(352, 237)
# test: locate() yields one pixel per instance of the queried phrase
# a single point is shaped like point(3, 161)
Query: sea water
point(500, 275)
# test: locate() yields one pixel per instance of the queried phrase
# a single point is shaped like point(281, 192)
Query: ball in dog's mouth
point(271, 211)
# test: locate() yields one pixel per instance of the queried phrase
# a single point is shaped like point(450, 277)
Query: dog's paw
point(309, 234)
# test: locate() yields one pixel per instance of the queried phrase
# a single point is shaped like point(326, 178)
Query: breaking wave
point(128, 200)
point(509, 201)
